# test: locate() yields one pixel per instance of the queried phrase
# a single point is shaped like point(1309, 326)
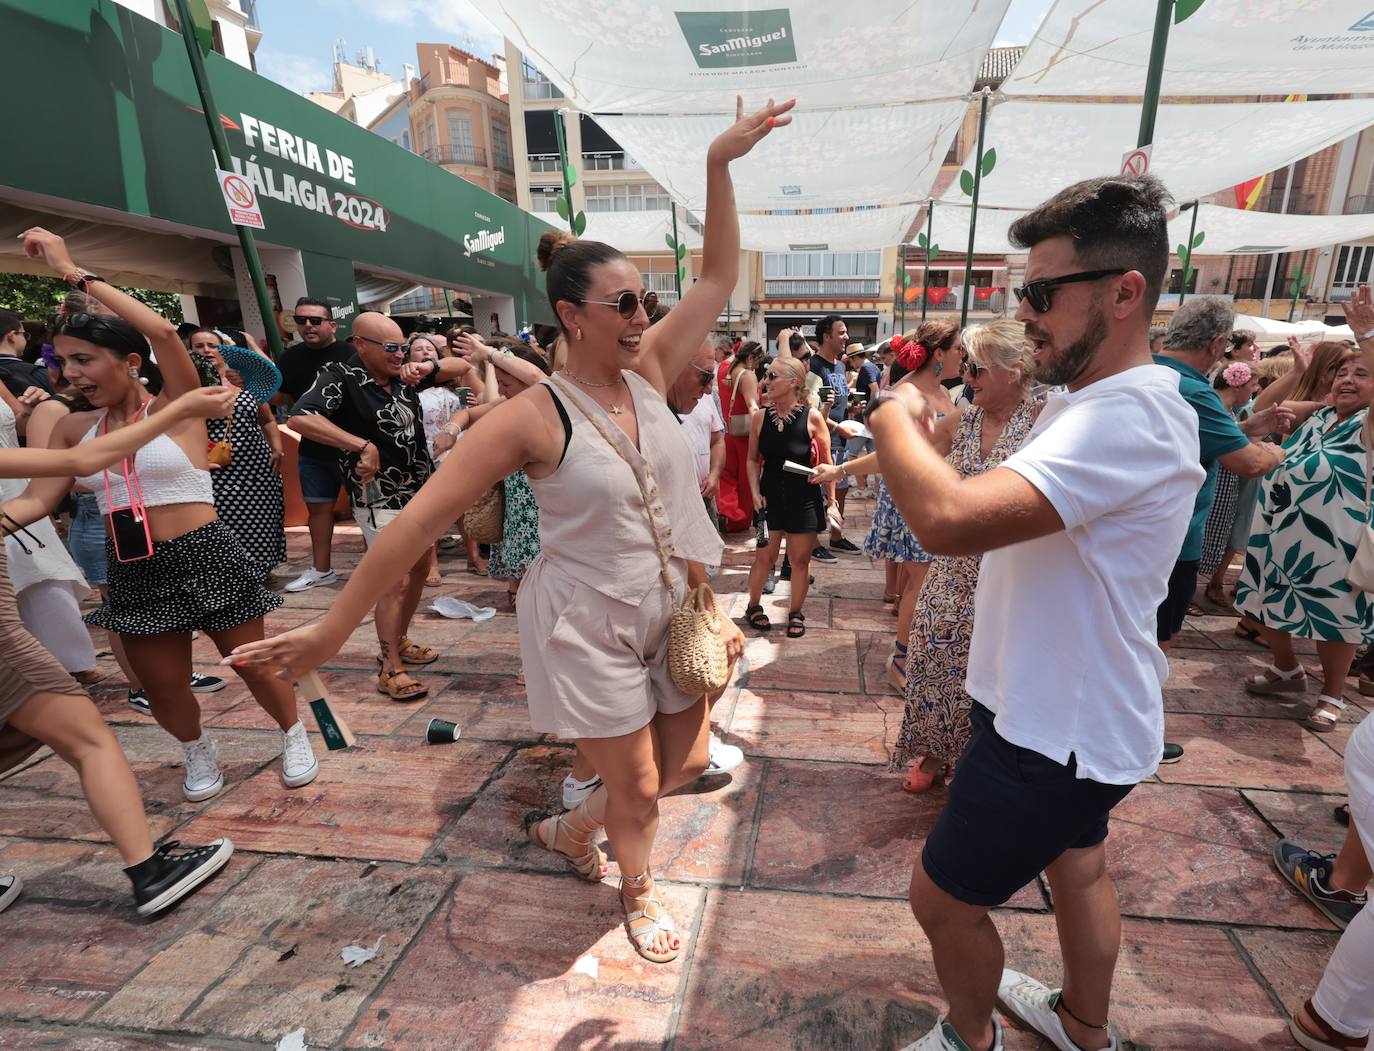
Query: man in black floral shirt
point(368, 408)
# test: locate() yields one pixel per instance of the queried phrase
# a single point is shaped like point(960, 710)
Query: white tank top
point(163, 473)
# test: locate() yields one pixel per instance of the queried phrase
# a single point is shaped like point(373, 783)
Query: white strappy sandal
point(649, 924)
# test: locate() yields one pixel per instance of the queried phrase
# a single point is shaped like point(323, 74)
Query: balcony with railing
point(1298, 203)
point(821, 287)
point(541, 89)
point(1360, 204)
point(1255, 287)
point(471, 156)
point(503, 163)
point(986, 299)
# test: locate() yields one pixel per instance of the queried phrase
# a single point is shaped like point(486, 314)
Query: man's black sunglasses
point(628, 302)
point(302, 320)
point(1037, 293)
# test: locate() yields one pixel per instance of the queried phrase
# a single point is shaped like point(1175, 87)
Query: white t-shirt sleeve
point(1105, 454)
point(716, 423)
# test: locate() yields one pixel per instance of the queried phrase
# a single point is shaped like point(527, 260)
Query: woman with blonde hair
point(786, 430)
point(936, 726)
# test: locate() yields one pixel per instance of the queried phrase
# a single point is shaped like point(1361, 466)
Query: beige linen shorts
point(594, 666)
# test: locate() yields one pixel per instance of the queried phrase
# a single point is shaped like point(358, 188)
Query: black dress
point(794, 503)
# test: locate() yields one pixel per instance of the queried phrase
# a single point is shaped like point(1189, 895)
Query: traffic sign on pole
point(1137, 161)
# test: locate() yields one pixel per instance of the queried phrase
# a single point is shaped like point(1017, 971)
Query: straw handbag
point(696, 648)
point(1360, 575)
point(484, 521)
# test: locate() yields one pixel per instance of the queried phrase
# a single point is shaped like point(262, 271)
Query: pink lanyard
point(131, 482)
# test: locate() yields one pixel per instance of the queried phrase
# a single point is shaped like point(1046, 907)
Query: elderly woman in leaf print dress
point(1313, 511)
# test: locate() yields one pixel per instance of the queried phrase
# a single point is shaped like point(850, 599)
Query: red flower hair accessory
point(911, 355)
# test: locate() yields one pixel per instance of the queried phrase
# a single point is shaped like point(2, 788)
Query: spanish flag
point(1248, 193)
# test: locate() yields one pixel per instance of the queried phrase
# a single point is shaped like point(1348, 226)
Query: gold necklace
point(614, 408)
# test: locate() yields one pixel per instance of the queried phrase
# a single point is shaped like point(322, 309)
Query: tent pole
point(1154, 78)
point(1297, 287)
point(973, 215)
point(677, 263)
point(221, 148)
point(925, 281)
point(1187, 259)
point(563, 163)
point(1274, 259)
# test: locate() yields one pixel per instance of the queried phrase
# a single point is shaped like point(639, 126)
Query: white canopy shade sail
point(1269, 330)
point(1228, 47)
point(1199, 149)
point(634, 233)
point(695, 56)
point(859, 231)
point(949, 229)
point(1231, 231)
point(824, 159)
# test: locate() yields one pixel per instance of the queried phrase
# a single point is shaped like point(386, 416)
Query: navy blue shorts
point(321, 479)
point(1011, 812)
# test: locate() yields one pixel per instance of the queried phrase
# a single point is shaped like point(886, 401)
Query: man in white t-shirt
point(1081, 528)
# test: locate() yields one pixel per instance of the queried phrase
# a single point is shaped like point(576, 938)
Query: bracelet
point(1365, 337)
point(80, 278)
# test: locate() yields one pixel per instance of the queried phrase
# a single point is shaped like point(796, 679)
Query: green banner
point(121, 129)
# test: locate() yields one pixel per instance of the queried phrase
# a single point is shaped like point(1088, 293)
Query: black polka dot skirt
point(203, 580)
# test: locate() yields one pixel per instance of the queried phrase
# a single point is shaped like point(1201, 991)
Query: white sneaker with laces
point(10, 886)
point(203, 778)
point(944, 1038)
point(298, 763)
point(312, 578)
point(575, 791)
point(724, 757)
point(1034, 1003)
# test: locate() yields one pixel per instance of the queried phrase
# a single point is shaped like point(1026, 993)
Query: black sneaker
point(786, 573)
point(205, 683)
point(846, 547)
point(138, 701)
point(823, 554)
point(1308, 871)
point(1172, 752)
point(170, 874)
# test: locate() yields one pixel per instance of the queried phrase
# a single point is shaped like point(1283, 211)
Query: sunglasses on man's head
point(627, 303)
point(302, 320)
point(1039, 293)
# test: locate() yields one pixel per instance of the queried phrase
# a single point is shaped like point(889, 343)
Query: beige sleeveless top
point(593, 523)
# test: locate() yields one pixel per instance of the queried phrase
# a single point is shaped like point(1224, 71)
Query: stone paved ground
point(789, 877)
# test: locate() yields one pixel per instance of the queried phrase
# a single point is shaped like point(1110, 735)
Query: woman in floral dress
point(1312, 514)
point(936, 726)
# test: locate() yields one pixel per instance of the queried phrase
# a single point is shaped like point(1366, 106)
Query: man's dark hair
point(795, 342)
point(9, 322)
point(825, 324)
point(311, 301)
point(1116, 222)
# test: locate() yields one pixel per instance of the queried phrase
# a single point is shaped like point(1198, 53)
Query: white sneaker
point(575, 791)
point(203, 778)
point(724, 757)
point(10, 886)
point(1033, 1003)
point(944, 1038)
point(312, 578)
point(298, 763)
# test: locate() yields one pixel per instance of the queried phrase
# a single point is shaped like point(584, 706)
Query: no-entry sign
point(1136, 162)
point(240, 200)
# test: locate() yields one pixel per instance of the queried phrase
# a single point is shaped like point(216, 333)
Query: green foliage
point(672, 245)
point(1197, 241)
point(989, 161)
point(38, 298)
point(561, 206)
point(966, 182)
point(579, 223)
point(570, 174)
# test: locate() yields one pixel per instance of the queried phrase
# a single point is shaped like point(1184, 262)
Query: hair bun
point(550, 244)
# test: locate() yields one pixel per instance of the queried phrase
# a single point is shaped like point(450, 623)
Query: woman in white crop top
point(611, 470)
point(197, 575)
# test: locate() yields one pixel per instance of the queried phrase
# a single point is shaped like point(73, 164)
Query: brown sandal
point(415, 652)
point(1311, 1030)
point(590, 864)
point(401, 686)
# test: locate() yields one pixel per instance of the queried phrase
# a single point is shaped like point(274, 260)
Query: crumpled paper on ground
point(293, 1041)
point(457, 609)
point(357, 955)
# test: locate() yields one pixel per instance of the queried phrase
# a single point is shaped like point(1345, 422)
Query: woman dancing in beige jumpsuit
point(604, 455)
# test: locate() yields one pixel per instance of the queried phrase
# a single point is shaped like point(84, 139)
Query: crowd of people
point(1070, 459)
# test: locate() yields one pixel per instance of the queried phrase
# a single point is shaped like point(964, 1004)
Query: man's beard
point(1069, 363)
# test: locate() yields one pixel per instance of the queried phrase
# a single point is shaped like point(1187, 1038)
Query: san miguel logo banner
point(732, 39)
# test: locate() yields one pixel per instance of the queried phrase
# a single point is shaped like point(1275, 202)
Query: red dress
point(735, 501)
